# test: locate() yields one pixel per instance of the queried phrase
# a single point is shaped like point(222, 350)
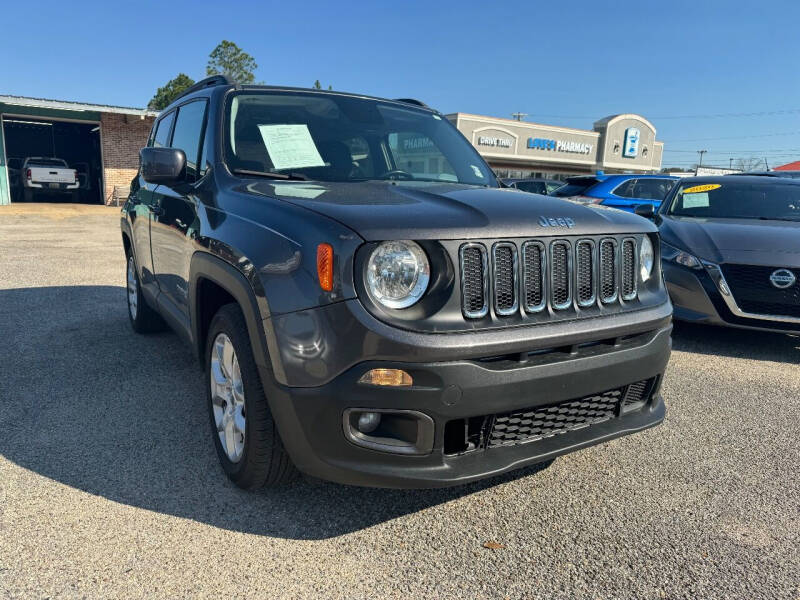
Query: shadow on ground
point(86, 402)
point(736, 343)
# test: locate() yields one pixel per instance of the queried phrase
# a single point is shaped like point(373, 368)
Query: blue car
point(624, 192)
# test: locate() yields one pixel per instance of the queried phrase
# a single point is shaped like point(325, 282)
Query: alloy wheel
point(227, 397)
point(133, 289)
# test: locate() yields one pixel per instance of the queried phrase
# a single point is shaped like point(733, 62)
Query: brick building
point(101, 142)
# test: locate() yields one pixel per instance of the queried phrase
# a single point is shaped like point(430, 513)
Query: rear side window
point(188, 134)
point(575, 187)
point(653, 189)
point(163, 127)
point(534, 187)
point(626, 189)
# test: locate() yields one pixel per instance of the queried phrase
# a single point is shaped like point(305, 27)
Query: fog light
point(368, 422)
point(391, 377)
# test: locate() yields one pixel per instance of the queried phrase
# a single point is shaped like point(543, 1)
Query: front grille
point(628, 269)
point(584, 272)
point(533, 272)
point(530, 425)
point(473, 280)
point(560, 279)
point(505, 278)
point(754, 293)
point(566, 276)
point(608, 271)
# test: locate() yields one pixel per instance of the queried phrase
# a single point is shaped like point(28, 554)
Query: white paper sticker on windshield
point(290, 146)
point(698, 200)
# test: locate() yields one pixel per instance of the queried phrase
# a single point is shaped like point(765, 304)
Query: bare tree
point(747, 164)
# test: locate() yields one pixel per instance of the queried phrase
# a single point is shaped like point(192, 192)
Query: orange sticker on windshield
point(706, 187)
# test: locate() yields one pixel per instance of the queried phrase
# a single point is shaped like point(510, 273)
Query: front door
point(141, 206)
point(176, 220)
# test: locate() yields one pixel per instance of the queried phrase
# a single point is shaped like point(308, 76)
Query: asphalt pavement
point(110, 487)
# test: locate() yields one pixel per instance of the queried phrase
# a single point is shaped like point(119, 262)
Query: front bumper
point(696, 298)
point(310, 419)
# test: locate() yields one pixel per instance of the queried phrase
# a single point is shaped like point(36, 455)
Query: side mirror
point(645, 210)
point(163, 165)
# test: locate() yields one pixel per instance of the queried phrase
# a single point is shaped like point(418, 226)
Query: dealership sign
point(559, 146)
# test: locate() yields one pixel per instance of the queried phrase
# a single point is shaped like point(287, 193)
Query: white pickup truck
point(48, 175)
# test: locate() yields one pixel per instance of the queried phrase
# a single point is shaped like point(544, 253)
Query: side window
point(188, 129)
point(626, 189)
point(653, 189)
point(163, 127)
point(202, 164)
point(552, 187)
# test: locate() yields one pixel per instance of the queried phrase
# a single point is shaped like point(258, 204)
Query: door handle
point(156, 210)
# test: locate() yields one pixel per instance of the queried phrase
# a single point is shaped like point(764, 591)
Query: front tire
point(247, 441)
point(143, 318)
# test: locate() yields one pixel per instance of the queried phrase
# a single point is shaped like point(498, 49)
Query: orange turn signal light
point(325, 266)
point(389, 377)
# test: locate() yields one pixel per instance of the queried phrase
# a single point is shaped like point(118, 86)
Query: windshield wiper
point(272, 174)
point(790, 219)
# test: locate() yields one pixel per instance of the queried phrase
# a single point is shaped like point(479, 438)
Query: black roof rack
point(208, 82)
point(412, 101)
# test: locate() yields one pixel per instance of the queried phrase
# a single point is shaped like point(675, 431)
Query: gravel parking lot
point(109, 485)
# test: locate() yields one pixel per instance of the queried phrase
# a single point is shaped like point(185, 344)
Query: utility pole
point(730, 163)
point(701, 152)
point(519, 115)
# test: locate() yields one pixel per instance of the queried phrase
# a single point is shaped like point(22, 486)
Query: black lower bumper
point(313, 430)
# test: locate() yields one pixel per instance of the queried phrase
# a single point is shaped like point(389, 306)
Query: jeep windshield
point(768, 199)
point(332, 137)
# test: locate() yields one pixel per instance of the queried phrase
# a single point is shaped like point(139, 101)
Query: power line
point(763, 113)
point(738, 137)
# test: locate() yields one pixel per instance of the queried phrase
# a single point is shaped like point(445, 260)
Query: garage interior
point(78, 143)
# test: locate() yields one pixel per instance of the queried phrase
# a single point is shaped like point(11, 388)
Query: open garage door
point(76, 143)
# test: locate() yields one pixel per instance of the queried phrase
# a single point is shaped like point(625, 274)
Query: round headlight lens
point(397, 273)
point(646, 258)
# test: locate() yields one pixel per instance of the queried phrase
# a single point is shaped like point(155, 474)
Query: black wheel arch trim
point(262, 338)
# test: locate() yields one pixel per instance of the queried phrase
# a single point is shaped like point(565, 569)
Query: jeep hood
point(748, 241)
point(382, 210)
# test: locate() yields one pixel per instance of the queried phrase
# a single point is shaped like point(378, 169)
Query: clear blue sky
point(564, 63)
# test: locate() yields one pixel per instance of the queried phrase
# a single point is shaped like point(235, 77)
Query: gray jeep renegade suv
point(369, 304)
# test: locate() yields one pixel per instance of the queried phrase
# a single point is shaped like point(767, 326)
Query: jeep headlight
point(646, 258)
point(397, 273)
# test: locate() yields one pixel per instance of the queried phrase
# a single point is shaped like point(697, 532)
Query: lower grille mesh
point(533, 424)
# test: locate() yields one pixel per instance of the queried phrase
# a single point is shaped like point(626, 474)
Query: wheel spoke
point(228, 356)
point(230, 439)
point(239, 420)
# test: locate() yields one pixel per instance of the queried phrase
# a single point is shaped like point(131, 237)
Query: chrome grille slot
point(474, 280)
point(628, 269)
point(533, 276)
point(609, 288)
point(585, 273)
point(505, 269)
point(560, 275)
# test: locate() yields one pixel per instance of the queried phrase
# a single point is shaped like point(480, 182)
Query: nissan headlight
point(397, 273)
point(646, 258)
point(680, 257)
